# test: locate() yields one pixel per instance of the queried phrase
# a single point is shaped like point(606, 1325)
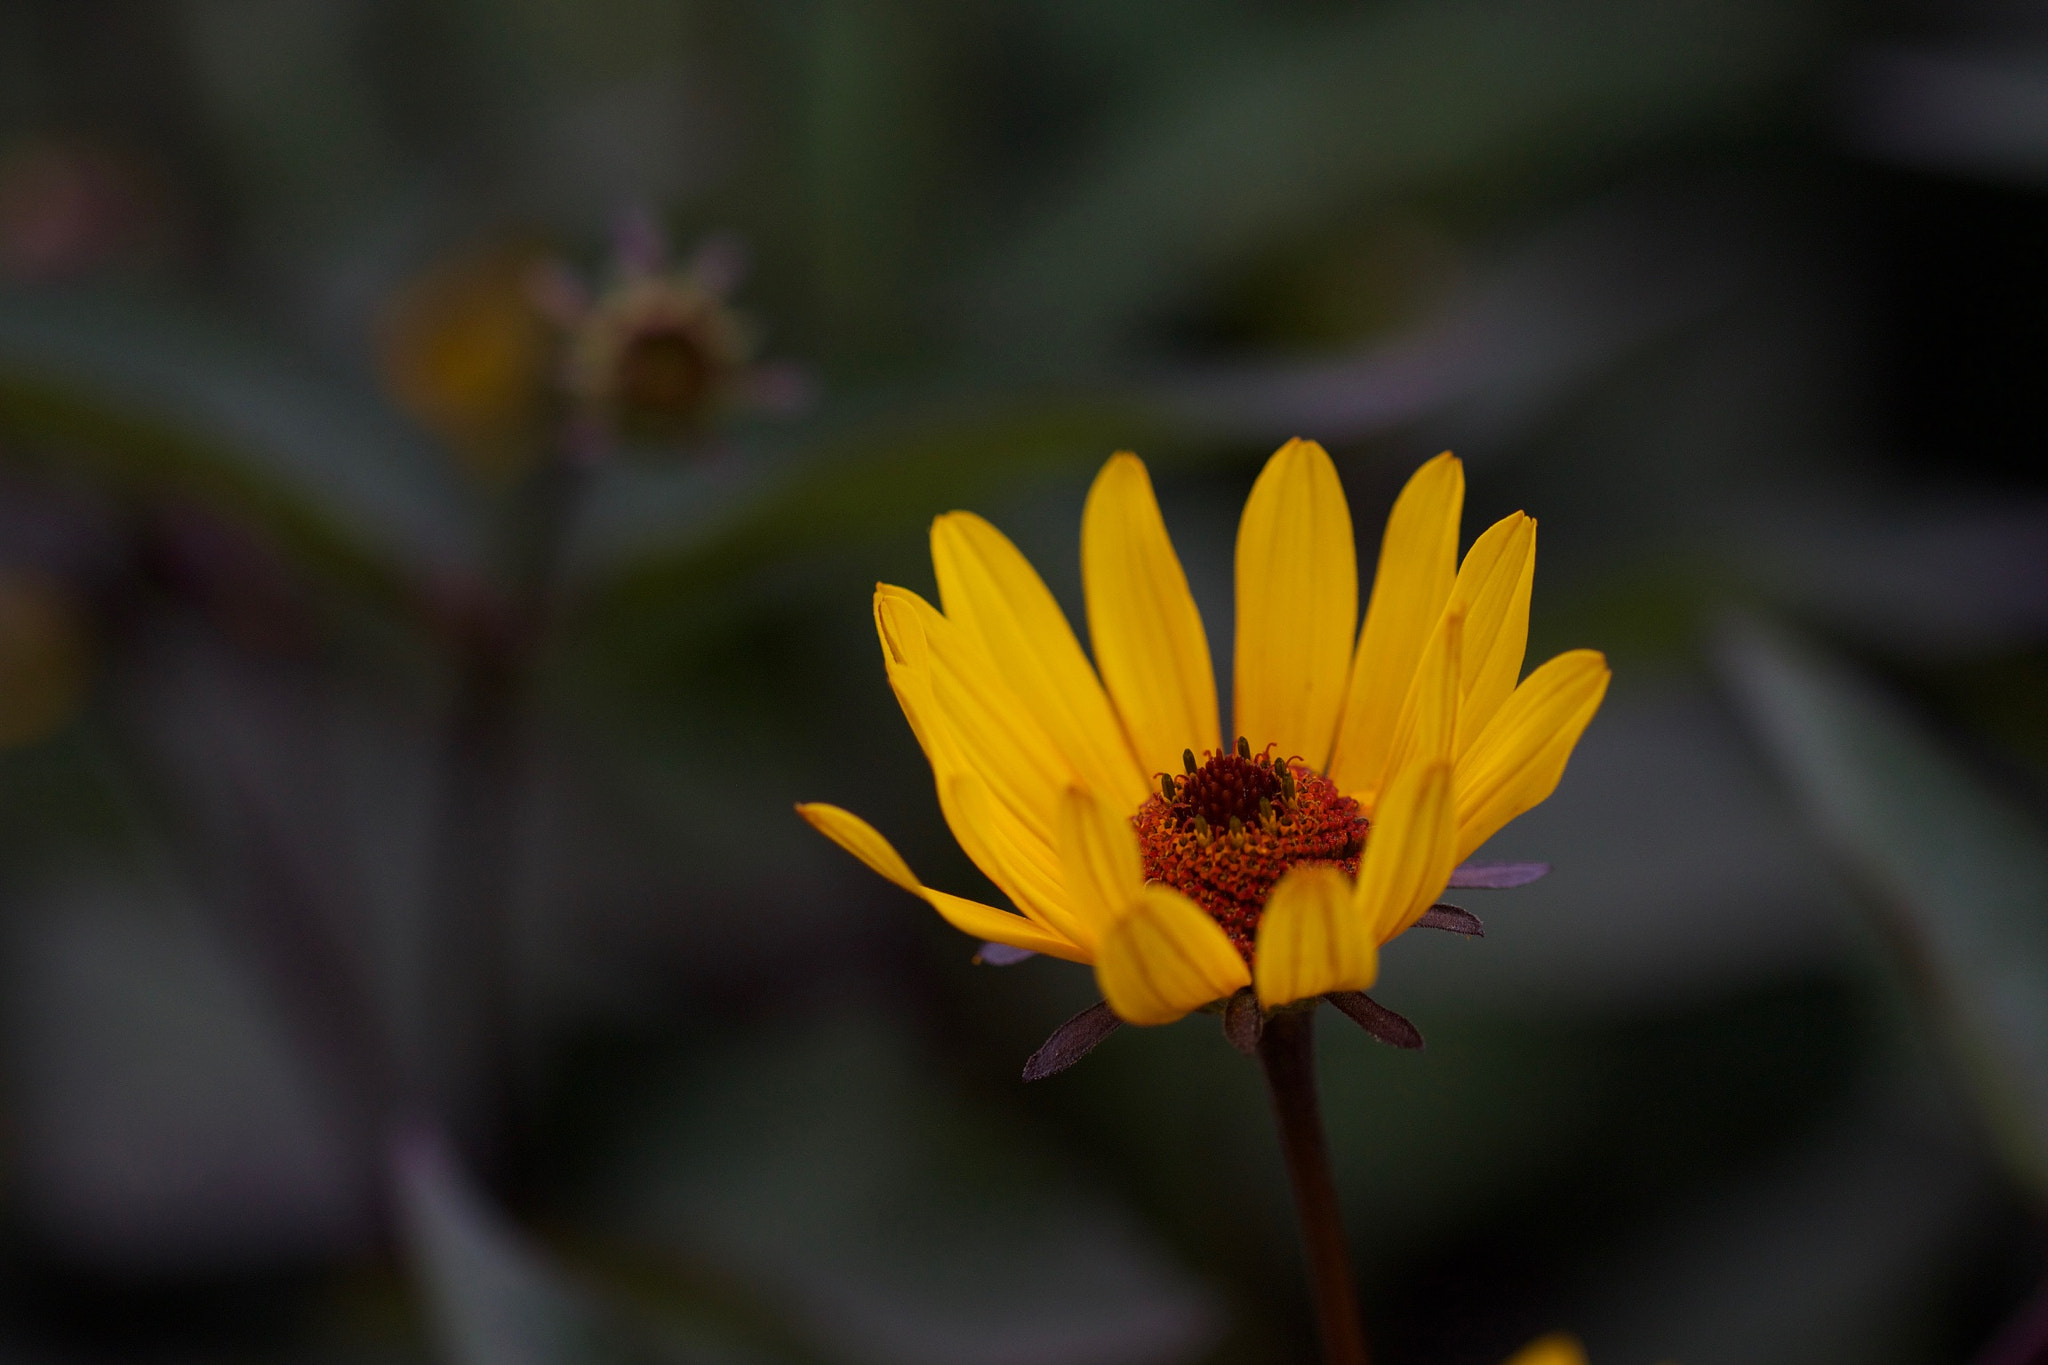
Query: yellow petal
point(907, 659)
point(1022, 868)
point(1313, 938)
point(1409, 852)
point(1010, 841)
point(1493, 591)
point(1099, 864)
point(1418, 562)
point(991, 925)
point(1297, 605)
point(1164, 958)
point(1429, 719)
point(1142, 619)
point(861, 839)
point(985, 922)
point(1517, 761)
point(966, 715)
point(991, 591)
point(1556, 1349)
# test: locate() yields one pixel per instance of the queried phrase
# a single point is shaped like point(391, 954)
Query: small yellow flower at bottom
point(1559, 1348)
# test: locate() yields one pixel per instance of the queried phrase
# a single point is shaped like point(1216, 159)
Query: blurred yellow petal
point(1099, 864)
point(1418, 563)
point(1297, 605)
point(1411, 850)
point(991, 591)
point(966, 714)
point(1556, 1349)
point(1142, 619)
point(1517, 761)
point(1493, 590)
point(1428, 728)
point(1164, 958)
point(985, 922)
point(1313, 938)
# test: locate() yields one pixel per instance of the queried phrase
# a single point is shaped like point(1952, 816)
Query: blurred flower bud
point(660, 356)
point(468, 350)
point(43, 657)
point(68, 207)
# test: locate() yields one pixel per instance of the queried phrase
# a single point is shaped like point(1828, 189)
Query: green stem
point(1287, 1053)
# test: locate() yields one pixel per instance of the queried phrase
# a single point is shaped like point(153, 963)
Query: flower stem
point(1287, 1052)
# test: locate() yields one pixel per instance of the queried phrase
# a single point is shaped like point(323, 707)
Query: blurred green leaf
point(297, 125)
point(172, 403)
point(1962, 875)
point(165, 1116)
point(883, 1224)
point(1974, 110)
point(1333, 117)
point(871, 132)
point(1820, 1257)
point(497, 1298)
point(652, 536)
point(1567, 303)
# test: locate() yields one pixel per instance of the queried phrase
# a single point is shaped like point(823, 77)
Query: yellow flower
point(466, 350)
point(1106, 805)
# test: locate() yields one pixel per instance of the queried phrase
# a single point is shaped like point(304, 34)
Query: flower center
point(1225, 831)
point(664, 374)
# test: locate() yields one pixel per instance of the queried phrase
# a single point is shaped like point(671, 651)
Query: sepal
point(1452, 917)
point(1072, 1041)
point(1244, 1021)
point(1495, 876)
point(1376, 1019)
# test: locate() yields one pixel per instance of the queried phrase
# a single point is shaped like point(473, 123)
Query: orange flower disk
point(1236, 825)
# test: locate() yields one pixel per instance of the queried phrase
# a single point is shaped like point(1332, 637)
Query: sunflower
point(1102, 799)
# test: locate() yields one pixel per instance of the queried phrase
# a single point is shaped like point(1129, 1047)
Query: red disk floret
point(1225, 831)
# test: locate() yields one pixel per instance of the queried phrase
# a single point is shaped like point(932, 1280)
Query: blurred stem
point(2024, 1339)
point(1287, 1052)
point(472, 959)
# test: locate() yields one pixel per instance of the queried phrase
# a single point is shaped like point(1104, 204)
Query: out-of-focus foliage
point(1964, 874)
point(409, 951)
